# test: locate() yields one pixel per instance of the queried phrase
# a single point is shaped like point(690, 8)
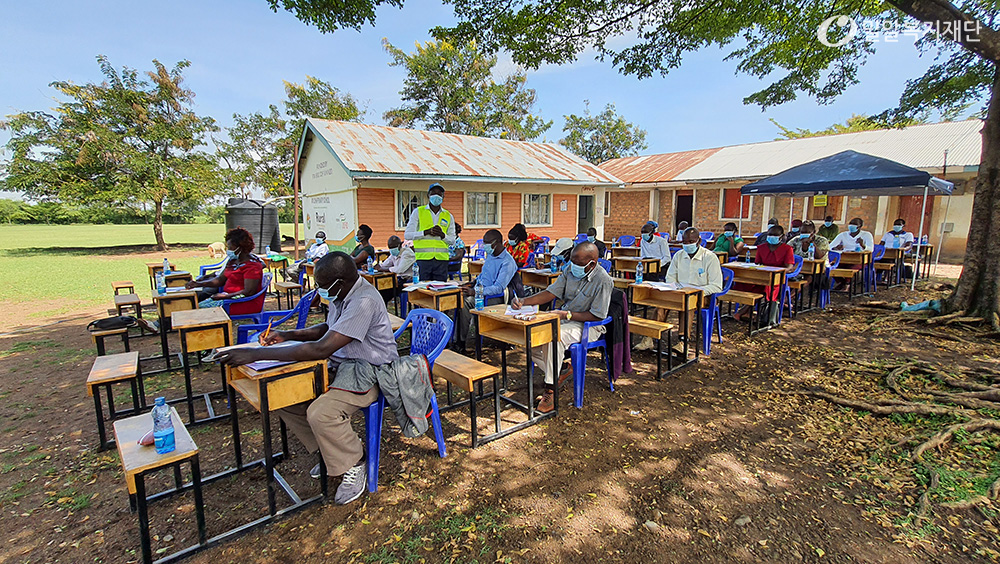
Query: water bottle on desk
point(812, 251)
point(163, 427)
point(748, 256)
point(924, 240)
point(480, 299)
point(895, 242)
point(371, 266)
point(166, 267)
point(553, 268)
point(416, 273)
point(639, 271)
point(267, 251)
point(161, 283)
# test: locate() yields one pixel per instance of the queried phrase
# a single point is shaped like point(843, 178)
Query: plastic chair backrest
point(530, 262)
point(798, 267)
point(834, 257)
point(878, 252)
point(430, 332)
point(705, 236)
point(727, 279)
point(580, 237)
point(627, 240)
point(605, 263)
point(265, 284)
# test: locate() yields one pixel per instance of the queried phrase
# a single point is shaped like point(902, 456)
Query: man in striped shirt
point(357, 328)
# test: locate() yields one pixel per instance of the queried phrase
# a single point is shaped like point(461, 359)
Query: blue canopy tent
point(851, 173)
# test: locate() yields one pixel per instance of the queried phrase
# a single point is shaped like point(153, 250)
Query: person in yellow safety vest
point(432, 230)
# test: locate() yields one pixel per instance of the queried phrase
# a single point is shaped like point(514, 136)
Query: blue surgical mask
point(578, 271)
point(853, 228)
point(357, 238)
point(325, 292)
point(394, 252)
point(436, 199)
point(897, 228)
point(729, 233)
point(803, 236)
point(795, 230)
point(320, 241)
point(828, 223)
point(647, 237)
point(690, 248)
point(773, 239)
point(591, 238)
point(231, 255)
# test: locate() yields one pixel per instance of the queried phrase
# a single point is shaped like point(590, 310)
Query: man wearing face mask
point(762, 238)
point(729, 242)
point(357, 328)
point(652, 246)
point(400, 263)
point(585, 291)
point(855, 239)
point(498, 270)
point(316, 251)
point(829, 229)
point(432, 230)
point(602, 249)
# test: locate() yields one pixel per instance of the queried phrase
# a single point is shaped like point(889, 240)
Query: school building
point(702, 187)
point(352, 174)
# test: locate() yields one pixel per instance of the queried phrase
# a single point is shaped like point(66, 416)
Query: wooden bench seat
point(396, 322)
point(124, 301)
point(111, 369)
point(462, 371)
point(98, 338)
point(123, 285)
point(740, 297)
point(648, 327)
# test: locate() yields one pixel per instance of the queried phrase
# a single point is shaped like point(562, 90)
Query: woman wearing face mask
point(364, 249)
point(240, 278)
point(520, 244)
point(899, 237)
point(729, 242)
point(772, 253)
point(652, 246)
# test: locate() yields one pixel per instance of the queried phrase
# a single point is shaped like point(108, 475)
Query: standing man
point(432, 230)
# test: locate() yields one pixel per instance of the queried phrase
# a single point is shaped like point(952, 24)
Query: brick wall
point(665, 215)
point(629, 211)
point(376, 208)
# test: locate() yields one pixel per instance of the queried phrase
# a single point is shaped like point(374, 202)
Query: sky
point(241, 52)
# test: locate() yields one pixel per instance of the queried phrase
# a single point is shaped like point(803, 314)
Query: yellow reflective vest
point(432, 248)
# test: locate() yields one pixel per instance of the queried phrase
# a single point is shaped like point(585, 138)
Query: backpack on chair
point(109, 323)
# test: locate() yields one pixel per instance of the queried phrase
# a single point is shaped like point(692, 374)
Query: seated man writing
point(498, 269)
point(357, 328)
point(585, 292)
point(316, 251)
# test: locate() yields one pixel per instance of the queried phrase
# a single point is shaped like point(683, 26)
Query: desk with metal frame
point(686, 301)
point(153, 268)
point(538, 278)
point(759, 275)
point(650, 266)
point(383, 281)
point(815, 269)
point(862, 258)
point(177, 279)
point(491, 323)
point(475, 268)
point(202, 330)
point(619, 252)
point(166, 305)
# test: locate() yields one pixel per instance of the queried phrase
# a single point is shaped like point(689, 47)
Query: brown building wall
point(629, 211)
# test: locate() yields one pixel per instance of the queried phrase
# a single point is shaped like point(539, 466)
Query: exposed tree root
point(964, 401)
point(902, 407)
point(943, 437)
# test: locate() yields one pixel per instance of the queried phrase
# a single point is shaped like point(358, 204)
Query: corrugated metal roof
point(411, 152)
point(920, 146)
point(655, 168)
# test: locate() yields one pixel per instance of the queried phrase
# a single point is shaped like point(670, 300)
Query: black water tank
point(262, 223)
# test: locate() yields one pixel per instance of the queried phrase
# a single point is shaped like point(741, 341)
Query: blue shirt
point(458, 244)
point(497, 272)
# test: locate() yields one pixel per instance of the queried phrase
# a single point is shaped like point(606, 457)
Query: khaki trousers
point(569, 333)
point(325, 423)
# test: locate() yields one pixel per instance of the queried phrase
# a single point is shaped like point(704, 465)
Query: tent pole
point(791, 207)
point(916, 262)
point(941, 237)
point(740, 215)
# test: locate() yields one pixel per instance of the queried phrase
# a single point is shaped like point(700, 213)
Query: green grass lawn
point(74, 265)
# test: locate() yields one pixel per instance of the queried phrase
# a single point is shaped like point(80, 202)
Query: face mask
point(357, 238)
point(773, 239)
point(853, 228)
point(591, 238)
point(231, 255)
point(512, 242)
point(690, 248)
point(325, 292)
point(647, 237)
point(320, 241)
point(436, 200)
point(729, 233)
point(394, 252)
point(828, 223)
point(578, 271)
point(803, 236)
point(795, 230)
point(770, 225)
point(897, 228)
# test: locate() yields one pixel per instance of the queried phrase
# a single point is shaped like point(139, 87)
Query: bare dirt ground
point(722, 462)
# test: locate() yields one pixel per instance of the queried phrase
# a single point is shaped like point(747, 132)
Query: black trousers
point(433, 270)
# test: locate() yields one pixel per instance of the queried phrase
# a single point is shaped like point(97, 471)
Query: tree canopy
point(451, 88)
point(129, 140)
point(854, 124)
point(602, 137)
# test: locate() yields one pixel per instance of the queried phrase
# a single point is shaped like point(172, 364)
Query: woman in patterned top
point(520, 244)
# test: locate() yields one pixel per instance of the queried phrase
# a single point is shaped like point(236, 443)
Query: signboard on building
point(819, 200)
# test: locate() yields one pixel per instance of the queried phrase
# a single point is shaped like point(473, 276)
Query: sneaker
point(646, 344)
point(548, 402)
point(149, 326)
point(314, 473)
point(352, 485)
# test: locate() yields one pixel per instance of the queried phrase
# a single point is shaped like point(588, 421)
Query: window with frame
point(406, 202)
point(482, 209)
point(537, 209)
point(607, 202)
point(731, 204)
point(834, 206)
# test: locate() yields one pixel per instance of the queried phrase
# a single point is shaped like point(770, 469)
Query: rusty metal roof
point(655, 168)
point(393, 151)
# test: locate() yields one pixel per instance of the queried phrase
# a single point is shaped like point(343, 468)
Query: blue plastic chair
point(248, 332)
point(203, 270)
point(530, 261)
point(705, 237)
point(455, 269)
point(605, 263)
point(265, 284)
point(626, 241)
point(877, 253)
point(430, 332)
point(580, 238)
point(786, 290)
point(824, 295)
point(578, 359)
point(711, 317)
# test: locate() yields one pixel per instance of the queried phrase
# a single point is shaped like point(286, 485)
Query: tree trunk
point(158, 226)
point(978, 290)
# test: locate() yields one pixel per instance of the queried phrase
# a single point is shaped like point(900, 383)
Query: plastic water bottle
point(161, 283)
point(166, 267)
point(639, 270)
point(924, 240)
point(553, 267)
point(748, 256)
point(480, 299)
point(895, 242)
point(812, 251)
point(416, 273)
point(163, 427)
point(857, 247)
point(267, 251)
point(371, 266)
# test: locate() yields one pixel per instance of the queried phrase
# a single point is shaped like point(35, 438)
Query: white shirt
point(402, 264)
point(657, 248)
point(848, 242)
point(702, 271)
point(413, 232)
point(890, 238)
point(317, 251)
